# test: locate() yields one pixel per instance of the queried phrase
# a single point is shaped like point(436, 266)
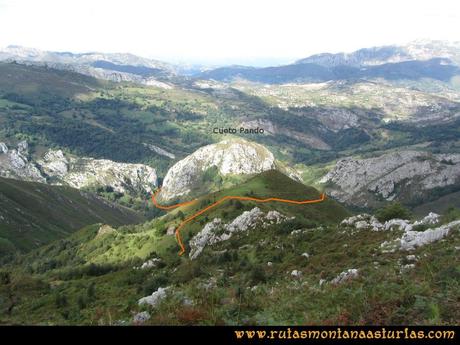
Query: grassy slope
point(426, 294)
point(56, 284)
point(33, 214)
point(33, 82)
point(66, 261)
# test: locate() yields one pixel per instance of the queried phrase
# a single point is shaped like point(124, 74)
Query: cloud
point(209, 29)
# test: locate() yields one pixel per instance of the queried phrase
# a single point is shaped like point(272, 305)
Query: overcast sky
point(217, 31)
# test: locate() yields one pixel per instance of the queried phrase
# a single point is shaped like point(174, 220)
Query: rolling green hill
point(33, 214)
point(269, 184)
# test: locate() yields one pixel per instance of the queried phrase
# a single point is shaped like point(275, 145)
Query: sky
point(258, 32)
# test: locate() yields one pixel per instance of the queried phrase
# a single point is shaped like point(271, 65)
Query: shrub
point(91, 291)
point(392, 211)
point(159, 280)
point(60, 300)
point(81, 302)
point(257, 275)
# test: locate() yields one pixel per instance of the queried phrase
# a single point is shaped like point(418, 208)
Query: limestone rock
point(230, 157)
point(155, 298)
point(430, 219)
point(86, 172)
point(217, 231)
point(296, 274)
point(141, 317)
point(14, 163)
point(345, 276)
point(57, 168)
point(355, 181)
point(413, 239)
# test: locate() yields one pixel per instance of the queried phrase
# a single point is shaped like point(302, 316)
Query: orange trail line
point(171, 206)
point(218, 202)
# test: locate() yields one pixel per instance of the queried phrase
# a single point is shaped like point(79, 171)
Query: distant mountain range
point(436, 60)
point(110, 66)
point(416, 50)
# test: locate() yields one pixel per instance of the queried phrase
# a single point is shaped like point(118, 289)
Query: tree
point(392, 211)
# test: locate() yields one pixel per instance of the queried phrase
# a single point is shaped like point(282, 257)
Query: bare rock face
point(57, 168)
point(229, 157)
point(85, 172)
point(14, 163)
point(353, 180)
point(54, 163)
point(122, 177)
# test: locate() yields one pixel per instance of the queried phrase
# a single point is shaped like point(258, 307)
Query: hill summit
point(215, 166)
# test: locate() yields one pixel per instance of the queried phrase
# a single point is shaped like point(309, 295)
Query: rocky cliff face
point(57, 168)
point(86, 172)
point(401, 175)
point(14, 163)
point(228, 157)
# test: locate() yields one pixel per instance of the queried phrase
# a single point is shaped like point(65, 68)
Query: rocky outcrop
point(141, 317)
point(216, 231)
point(413, 239)
point(57, 168)
point(345, 276)
point(368, 222)
point(86, 172)
point(122, 177)
point(14, 163)
point(155, 298)
point(361, 182)
point(363, 221)
point(229, 157)
point(150, 263)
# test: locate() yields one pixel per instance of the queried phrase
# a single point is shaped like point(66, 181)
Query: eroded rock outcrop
point(217, 231)
point(413, 239)
point(391, 176)
point(410, 238)
point(57, 168)
point(229, 157)
point(155, 298)
point(14, 163)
